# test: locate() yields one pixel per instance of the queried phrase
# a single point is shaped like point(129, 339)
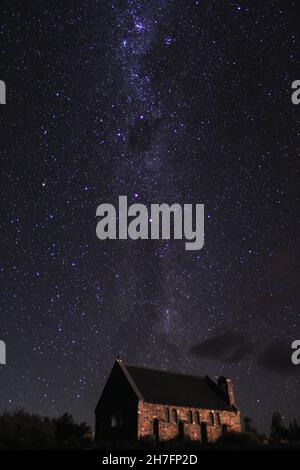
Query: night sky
point(163, 101)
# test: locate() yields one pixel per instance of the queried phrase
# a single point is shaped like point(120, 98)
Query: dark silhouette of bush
point(282, 435)
point(68, 434)
point(22, 430)
point(294, 431)
point(241, 440)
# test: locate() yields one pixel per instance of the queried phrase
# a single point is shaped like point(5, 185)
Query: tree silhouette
point(294, 430)
point(22, 430)
point(70, 434)
point(278, 433)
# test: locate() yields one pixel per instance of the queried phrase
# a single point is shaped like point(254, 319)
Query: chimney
point(226, 388)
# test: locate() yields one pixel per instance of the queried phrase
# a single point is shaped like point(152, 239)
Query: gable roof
point(168, 388)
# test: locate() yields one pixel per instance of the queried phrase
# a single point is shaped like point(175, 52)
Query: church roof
point(169, 388)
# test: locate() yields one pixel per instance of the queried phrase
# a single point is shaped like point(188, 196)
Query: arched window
point(114, 421)
point(211, 419)
point(167, 415)
point(218, 419)
point(190, 417)
point(174, 416)
point(197, 417)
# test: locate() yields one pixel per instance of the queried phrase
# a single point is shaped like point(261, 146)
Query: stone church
point(139, 403)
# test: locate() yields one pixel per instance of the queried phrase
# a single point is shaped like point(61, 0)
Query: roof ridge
point(169, 372)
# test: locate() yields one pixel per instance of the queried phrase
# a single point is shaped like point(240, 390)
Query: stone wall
point(168, 430)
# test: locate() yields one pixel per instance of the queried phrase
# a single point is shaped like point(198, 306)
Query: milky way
point(162, 101)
